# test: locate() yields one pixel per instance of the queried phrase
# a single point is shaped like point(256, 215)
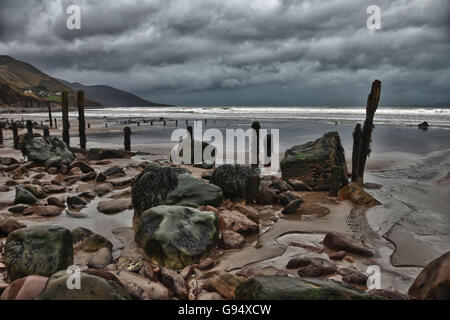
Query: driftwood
point(81, 120)
point(65, 118)
point(364, 146)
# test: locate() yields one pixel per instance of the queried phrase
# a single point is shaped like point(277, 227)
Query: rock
point(237, 222)
point(23, 196)
point(100, 259)
point(40, 149)
point(4, 189)
point(53, 201)
point(120, 182)
point(299, 185)
point(101, 177)
point(231, 240)
point(423, 126)
point(25, 288)
point(7, 161)
point(371, 185)
point(390, 295)
point(357, 195)
point(340, 242)
point(142, 288)
point(338, 255)
point(52, 163)
point(312, 267)
point(266, 271)
point(205, 264)
point(175, 236)
point(85, 240)
point(9, 225)
point(93, 287)
point(312, 162)
point(75, 214)
point(223, 283)
point(83, 166)
point(114, 206)
point(103, 153)
point(114, 170)
point(75, 200)
point(175, 282)
point(18, 208)
point(39, 250)
point(287, 197)
point(11, 183)
point(266, 196)
point(53, 188)
point(249, 212)
point(353, 276)
point(292, 206)
point(89, 176)
point(75, 172)
point(43, 211)
point(103, 188)
point(433, 282)
point(349, 259)
point(280, 184)
point(236, 181)
point(171, 186)
point(288, 288)
point(36, 190)
point(205, 295)
point(209, 208)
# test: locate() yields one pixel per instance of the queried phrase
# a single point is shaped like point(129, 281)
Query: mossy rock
point(289, 288)
point(39, 250)
point(85, 240)
point(175, 236)
point(41, 149)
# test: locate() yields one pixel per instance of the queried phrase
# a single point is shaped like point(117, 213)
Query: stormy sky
point(240, 52)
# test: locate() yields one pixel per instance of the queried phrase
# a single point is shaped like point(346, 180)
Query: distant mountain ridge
point(110, 97)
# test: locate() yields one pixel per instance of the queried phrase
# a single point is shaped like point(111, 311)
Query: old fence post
point(256, 126)
point(65, 117)
point(50, 120)
point(1, 134)
point(81, 120)
point(127, 139)
point(356, 152)
point(15, 135)
point(30, 127)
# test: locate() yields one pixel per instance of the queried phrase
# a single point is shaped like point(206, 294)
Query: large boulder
point(433, 283)
point(236, 181)
point(93, 286)
point(175, 236)
point(40, 149)
point(312, 162)
point(39, 250)
point(290, 288)
point(23, 196)
point(171, 186)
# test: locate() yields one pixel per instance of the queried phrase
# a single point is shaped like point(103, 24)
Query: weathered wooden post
point(46, 131)
point(15, 135)
point(30, 127)
point(366, 134)
point(191, 132)
point(56, 124)
point(206, 122)
point(187, 123)
point(151, 123)
point(164, 123)
point(89, 125)
point(50, 115)
point(256, 126)
point(176, 123)
point(65, 117)
point(268, 150)
point(337, 172)
point(356, 152)
point(127, 139)
point(138, 124)
point(1, 134)
point(81, 120)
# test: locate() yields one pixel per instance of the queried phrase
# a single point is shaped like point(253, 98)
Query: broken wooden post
point(268, 152)
point(256, 126)
point(65, 117)
point(15, 135)
point(356, 152)
point(81, 120)
point(56, 124)
point(337, 172)
point(89, 125)
point(127, 139)
point(50, 115)
point(151, 123)
point(366, 134)
point(187, 123)
point(46, 131)
point(1, 134)
point(164, 123)
point(30, 127)
point(176, 123)
point(106, 124)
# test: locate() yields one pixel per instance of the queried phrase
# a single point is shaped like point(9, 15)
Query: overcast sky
point(240, 52)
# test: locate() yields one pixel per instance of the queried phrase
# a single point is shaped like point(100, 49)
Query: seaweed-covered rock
point(171, 186)
point(312, 162)
point(39, 250)
point(102, 153)
point(175, 236)
point(236, 181)
point(93, 286)
point(289, 288)
point(41, 149)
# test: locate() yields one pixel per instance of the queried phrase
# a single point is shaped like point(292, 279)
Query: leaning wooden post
point(127, 139)
point(256, 126)
point(81, 120)
point(15, 135)
point(356, 152)
point(30, 127)
point(366, 135)
point(65, 117)
point(50, 115)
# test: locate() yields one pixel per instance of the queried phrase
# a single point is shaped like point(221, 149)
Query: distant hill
point(110, 97)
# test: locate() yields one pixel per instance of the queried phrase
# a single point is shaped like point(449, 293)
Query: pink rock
point(25, 288)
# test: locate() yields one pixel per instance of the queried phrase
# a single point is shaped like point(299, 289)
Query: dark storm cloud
point(239, 52)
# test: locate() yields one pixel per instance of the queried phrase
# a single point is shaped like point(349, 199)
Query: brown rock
point(83, 166)
point(292, 206)
point(231, 240)
point(53, 201)
point(205, 295)
point(141, 287)
point(299, 185)
point(209, 208)
point(43, 211)
point(237, 222)
point(340, 242)
point(256, 272)
point(223, 283)
point(114, 206)
point(19, 208)
point(103, 188)
point(312, 267)
point(266, 196)
point(353, 276)
point(248, 211)
point(175, 282)
point(9, 225)
point(205, 264)
point(338, 255)
point(75, 172)
point(25, 288)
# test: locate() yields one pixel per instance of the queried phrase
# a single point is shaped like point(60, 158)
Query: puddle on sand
point(96, 221)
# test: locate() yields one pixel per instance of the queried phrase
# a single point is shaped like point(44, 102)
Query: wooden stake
point(50, 120)
point(65, 117)
point(127, 139)
point(356, 152)
point(15, 135)
point(81, 120)
point(256, 126)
